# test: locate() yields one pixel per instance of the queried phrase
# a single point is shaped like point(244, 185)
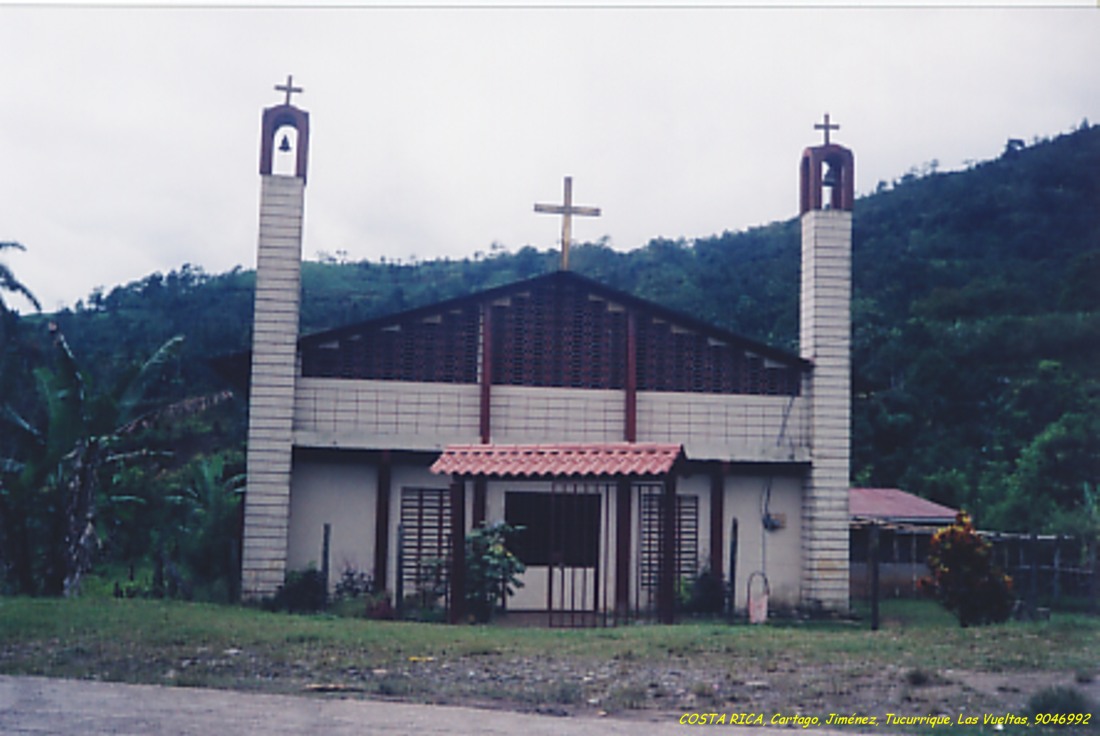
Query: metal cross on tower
point(290, 89)
point(567, 210)
point(826, 126)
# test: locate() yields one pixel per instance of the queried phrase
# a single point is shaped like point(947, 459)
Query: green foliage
point(1051, 486)
point(706, 594)
point(963, 577)
point(492, 571)
point(353, 583)
point(302, 592)
point(1058, 700)
point(210, 514)
point(80, 480)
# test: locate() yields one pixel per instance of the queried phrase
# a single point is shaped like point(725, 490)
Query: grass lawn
point(920, 662)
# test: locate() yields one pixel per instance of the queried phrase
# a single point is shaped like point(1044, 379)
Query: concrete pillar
point(271, 396)
point(274, 356)
point(826, 342)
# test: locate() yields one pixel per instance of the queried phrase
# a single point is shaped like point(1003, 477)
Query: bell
point(285, 145)
point(831, 179)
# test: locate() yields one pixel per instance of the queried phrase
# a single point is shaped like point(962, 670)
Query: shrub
point(303, 592)
point(963, 577)
point(1058, 700)
point(377, 606)
point(492, 571)
point(708, 593)
point(353, 583)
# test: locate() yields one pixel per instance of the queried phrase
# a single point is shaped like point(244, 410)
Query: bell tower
point(274, 351)
point(826, 199)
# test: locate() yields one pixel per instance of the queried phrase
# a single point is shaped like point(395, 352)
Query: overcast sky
point(129, 136)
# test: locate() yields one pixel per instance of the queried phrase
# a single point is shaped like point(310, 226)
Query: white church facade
point(636, 446)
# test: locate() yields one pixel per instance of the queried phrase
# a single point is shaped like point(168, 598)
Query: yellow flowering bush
point(963, 577)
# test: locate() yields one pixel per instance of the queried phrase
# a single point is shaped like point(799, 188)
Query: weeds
point(628, 697)
point(1058, 700)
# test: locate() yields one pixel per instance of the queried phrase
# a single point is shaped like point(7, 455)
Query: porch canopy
point(619, 461)
point(609, 460)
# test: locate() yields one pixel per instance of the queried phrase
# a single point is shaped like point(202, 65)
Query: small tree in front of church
point(492, 570)
point(963, 577)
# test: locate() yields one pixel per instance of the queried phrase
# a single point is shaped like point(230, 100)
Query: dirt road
point(32, 705)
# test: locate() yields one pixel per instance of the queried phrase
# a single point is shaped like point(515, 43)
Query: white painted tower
point(826, 339)
point(274, 347)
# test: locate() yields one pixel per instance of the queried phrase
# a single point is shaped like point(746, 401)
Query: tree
point(50, 494)
point(492, 571)
point(210, 533)
point(1045, 492)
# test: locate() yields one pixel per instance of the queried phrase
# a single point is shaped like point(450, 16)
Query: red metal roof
point(895, 505)
point(558, 460)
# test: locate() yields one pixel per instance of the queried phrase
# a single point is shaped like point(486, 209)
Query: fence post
point(1093, 602)
point(874, 555)
point(326, 540)
point(399, 576)
point(733, 569)
point(1033, 577)
point(1057, 592)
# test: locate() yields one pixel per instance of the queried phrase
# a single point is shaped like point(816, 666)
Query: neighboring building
point(636, 445)
point(906, 524)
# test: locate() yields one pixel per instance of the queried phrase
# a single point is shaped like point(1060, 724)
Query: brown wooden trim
point(623, 520)
point(666, 590)
point(457, 610)
point(382, 520)
point(485, 421)
point(630, 409)
point(481, 489)
point(717, 515)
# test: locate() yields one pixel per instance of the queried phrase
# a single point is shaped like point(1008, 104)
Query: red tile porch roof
point(612, 459)
point(893, 504)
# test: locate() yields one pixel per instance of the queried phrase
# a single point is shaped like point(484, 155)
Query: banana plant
point(49, 493)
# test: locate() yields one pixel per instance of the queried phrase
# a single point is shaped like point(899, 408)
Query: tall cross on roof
point(826, 126)
point(567, 210)
point(289, 88)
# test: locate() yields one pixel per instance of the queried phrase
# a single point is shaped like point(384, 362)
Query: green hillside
point(976, 322)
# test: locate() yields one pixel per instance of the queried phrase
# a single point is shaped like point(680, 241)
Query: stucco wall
point(777, 553)
point(342, 494)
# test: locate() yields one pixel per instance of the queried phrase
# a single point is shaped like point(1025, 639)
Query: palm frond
point(14, 420)
point(8, 282)
point(184, 408)
point(147, 375)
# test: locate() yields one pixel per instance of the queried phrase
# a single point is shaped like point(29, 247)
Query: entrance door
point(562, 546)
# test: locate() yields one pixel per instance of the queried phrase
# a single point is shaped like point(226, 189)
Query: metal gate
point(424, 547)
point(577, 594)
point(564, 545)
point(650, 532)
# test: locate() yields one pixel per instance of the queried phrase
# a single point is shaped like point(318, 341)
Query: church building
point(637, 447)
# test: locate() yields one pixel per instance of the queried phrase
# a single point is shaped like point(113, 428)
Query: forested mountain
point(976, 322)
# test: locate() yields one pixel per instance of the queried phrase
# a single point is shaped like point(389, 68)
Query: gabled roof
point(610, 459)
point(895, 505)
point(440, 342)
point(593, 287)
